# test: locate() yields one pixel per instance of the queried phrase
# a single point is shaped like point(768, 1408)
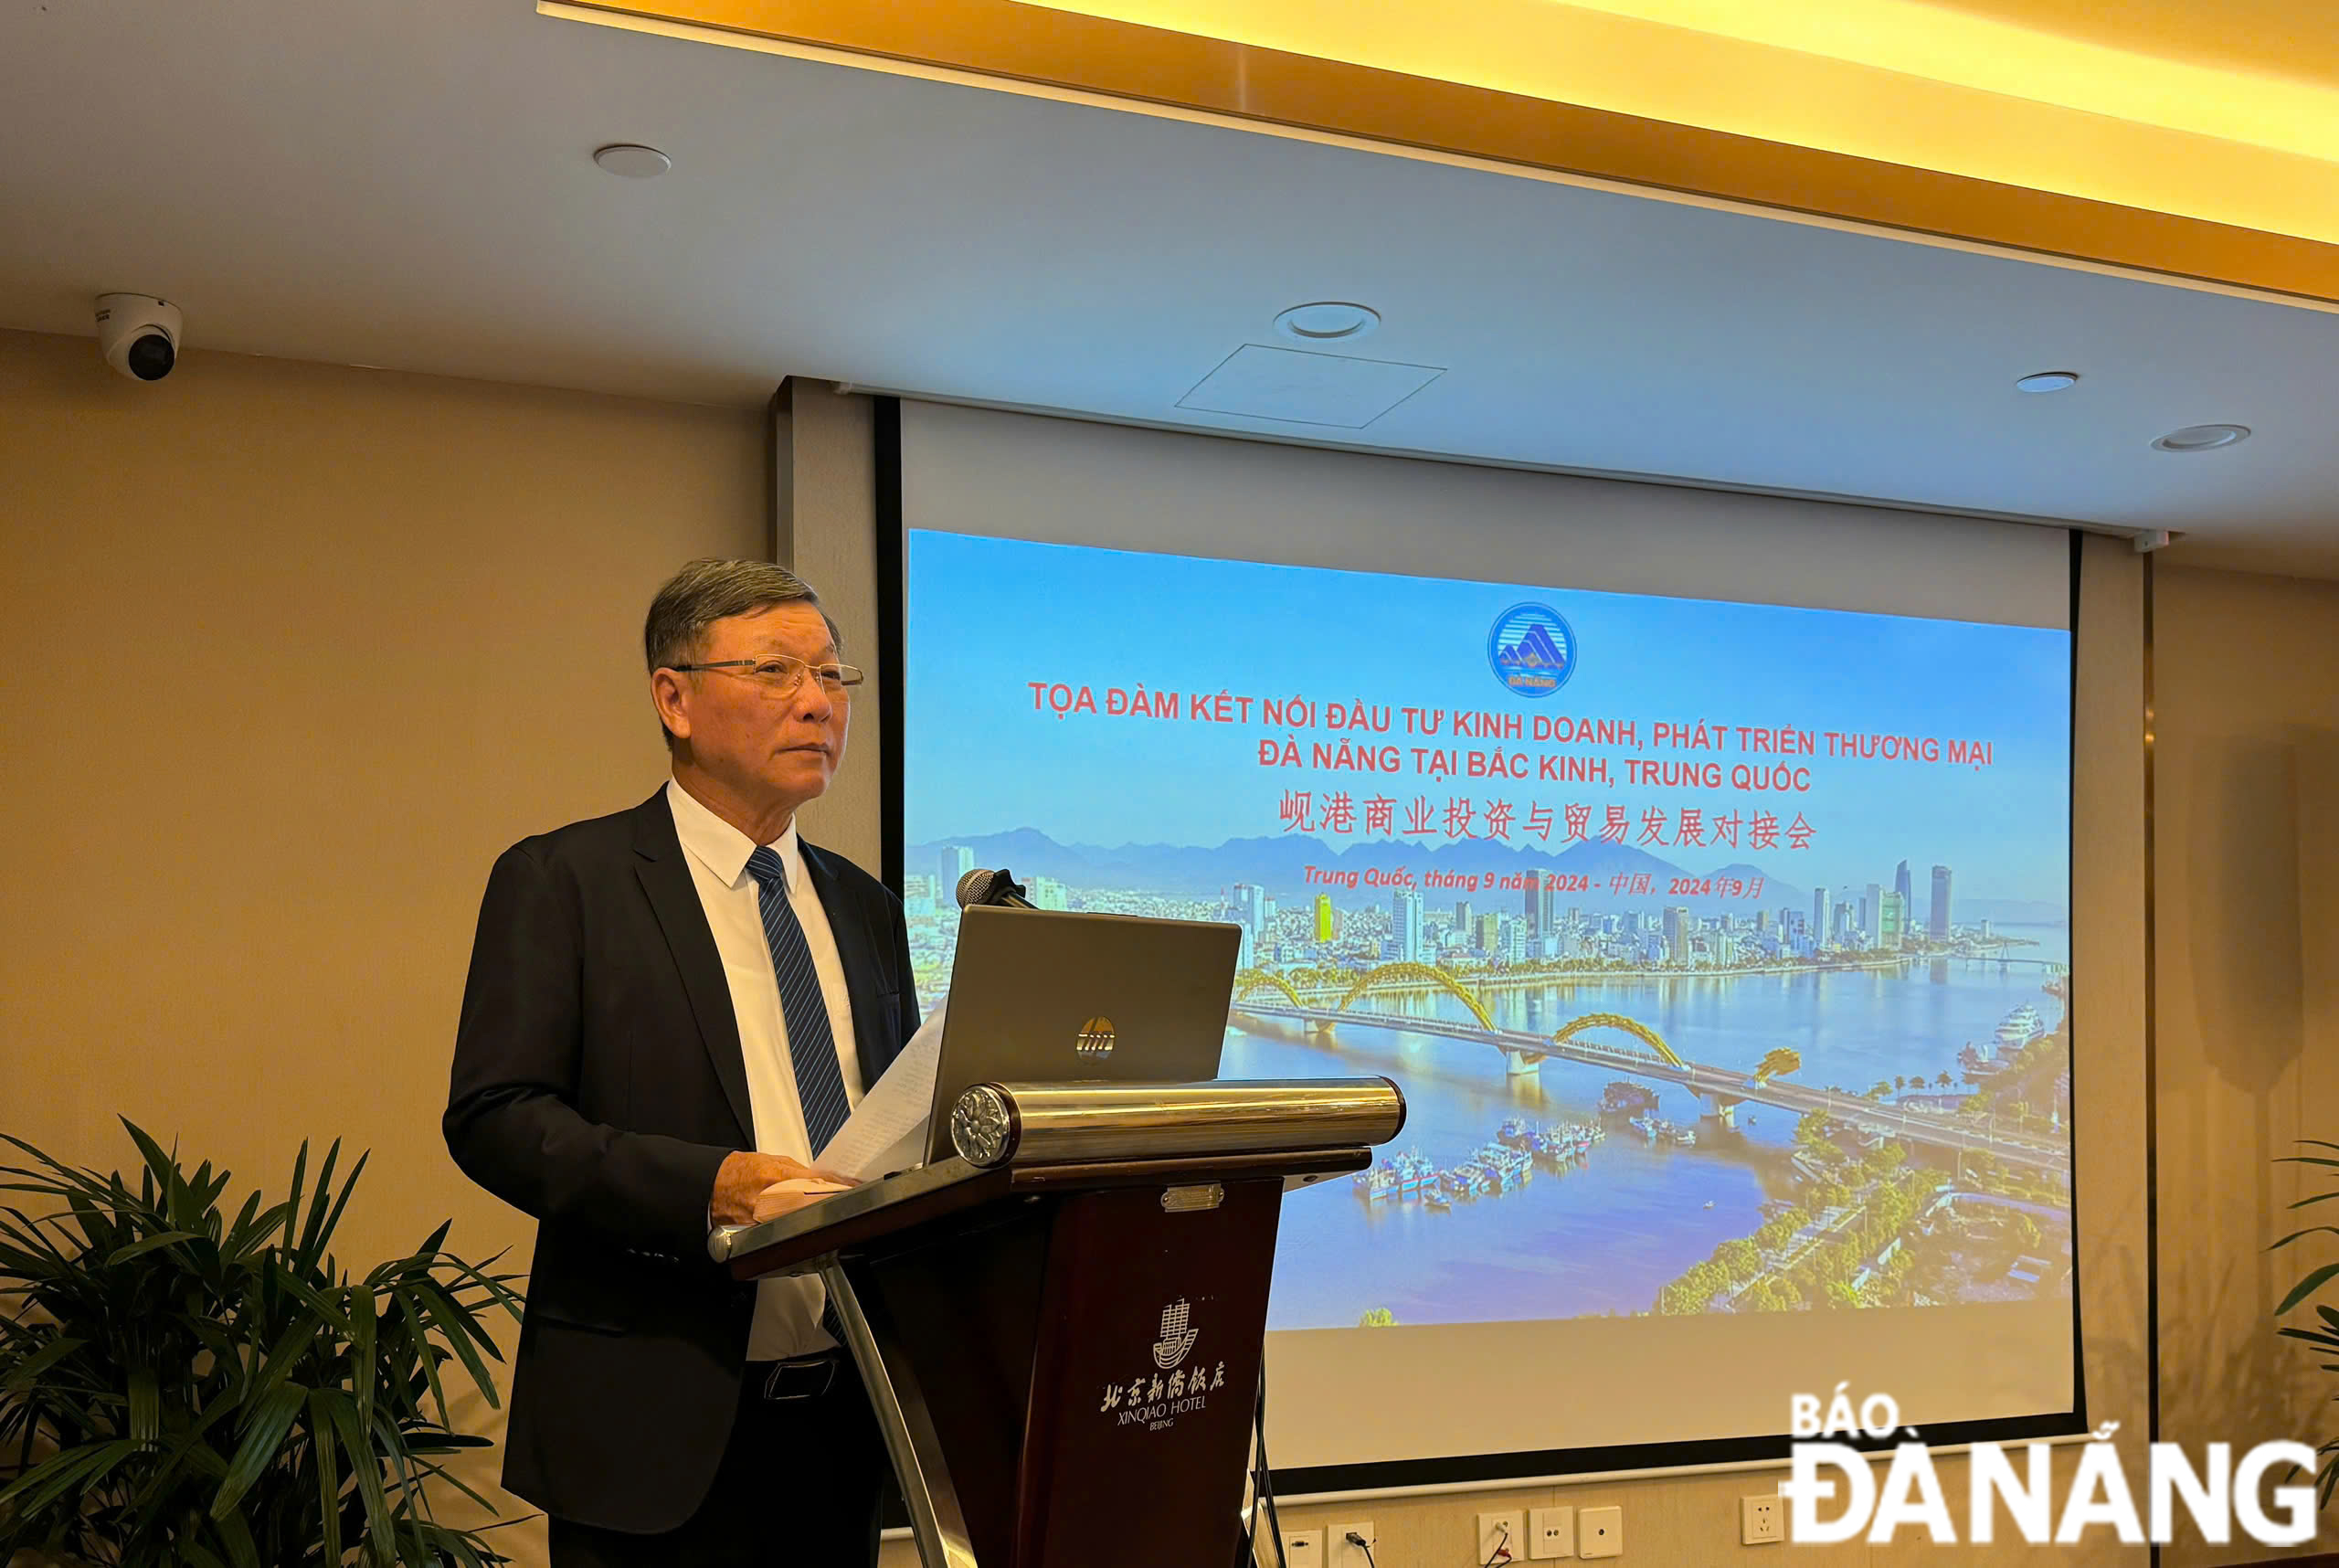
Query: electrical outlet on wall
point(1762, 1518)
point(1600, 1532)
point(1303, 1548)
point(1347, 1553)
point(1502, 1538)
point(1550, 1532)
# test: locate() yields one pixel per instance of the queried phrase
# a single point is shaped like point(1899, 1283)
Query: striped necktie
point(811, 1042)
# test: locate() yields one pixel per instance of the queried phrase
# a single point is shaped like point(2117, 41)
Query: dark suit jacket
point(598, 1086)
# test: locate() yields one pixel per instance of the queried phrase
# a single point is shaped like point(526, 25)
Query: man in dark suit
point(669, 1013)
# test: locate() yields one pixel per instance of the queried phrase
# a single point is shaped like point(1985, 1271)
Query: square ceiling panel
point(1300, 388)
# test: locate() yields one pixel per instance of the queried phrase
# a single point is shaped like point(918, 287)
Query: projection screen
point(1698, 863)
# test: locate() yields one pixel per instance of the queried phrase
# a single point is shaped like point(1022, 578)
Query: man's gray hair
point(706, 591)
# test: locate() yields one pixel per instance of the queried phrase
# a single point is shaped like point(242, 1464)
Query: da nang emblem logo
point(1096, 1038)
point(1531, 649)
point(1177, 1340)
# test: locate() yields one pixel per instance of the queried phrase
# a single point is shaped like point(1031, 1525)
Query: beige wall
point(291, 652)
point(2246, 676)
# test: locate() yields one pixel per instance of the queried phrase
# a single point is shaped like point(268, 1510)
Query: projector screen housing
point(1585, 1392)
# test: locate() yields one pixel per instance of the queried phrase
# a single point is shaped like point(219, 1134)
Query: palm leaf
point(186, 1451)
point(251, 1229)
point(310, 1297)
point(356, 1444)
point(311, 1246)
point(163, 1169)
point(446, 1477)
point(28, 1234)
point(496, 1286)
point(292, 1204)
point(2310, 1230)
point(456, 1327)
point(408, 1479)
point(332, 1220)
point(27, 1372)
point(2307, 1287)
point(299, 1337)
point(242, 1551)
point(262, 1440)
point(420, 1331)
point(360, 1348)
point(147, 1244)
point(81, 1468)
point(145, 1405)
point(328, 1478)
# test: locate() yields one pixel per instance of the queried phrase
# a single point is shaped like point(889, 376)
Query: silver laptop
point(1045, 996)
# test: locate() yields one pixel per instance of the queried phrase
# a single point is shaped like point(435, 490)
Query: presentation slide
point(1721, 950)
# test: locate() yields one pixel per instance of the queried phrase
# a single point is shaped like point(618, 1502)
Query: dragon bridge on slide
point(1392, 976)
point(1641, 1051)
point(1320, 1001)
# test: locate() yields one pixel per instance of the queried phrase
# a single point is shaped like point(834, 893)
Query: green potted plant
point(181, 1387)
point(2325, 1338)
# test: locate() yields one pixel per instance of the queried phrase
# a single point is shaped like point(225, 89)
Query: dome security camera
point(139, 335)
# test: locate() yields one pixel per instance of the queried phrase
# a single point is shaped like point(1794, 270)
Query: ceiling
point(409, 186)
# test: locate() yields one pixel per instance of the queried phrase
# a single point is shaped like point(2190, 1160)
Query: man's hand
point(792, 1195)
point(745, 1174)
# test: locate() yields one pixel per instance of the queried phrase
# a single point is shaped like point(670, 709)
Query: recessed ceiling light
point(2048, 381)
point(2202, 438)
point(631, 159)
point(1328, 321)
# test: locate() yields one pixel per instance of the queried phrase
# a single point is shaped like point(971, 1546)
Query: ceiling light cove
point(1971, 95)
point(2048, 381)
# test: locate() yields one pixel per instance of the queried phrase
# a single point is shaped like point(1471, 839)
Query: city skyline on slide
point(1193, 870)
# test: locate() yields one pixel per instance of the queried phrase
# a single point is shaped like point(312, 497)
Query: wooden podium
point(1061, 1325)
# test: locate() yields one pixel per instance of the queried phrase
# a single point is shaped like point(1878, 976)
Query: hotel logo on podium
point(1177, 1340)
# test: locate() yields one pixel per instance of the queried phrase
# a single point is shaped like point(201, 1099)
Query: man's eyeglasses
point(781, 675)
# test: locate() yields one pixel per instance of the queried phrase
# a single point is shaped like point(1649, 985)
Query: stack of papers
point(886, 1131)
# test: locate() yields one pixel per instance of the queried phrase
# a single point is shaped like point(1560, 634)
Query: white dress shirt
point(787, 1311)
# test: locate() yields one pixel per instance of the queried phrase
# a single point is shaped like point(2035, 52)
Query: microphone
point(993, 887)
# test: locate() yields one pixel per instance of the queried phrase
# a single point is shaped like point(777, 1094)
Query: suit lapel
point(856, 951)
point(673, 897)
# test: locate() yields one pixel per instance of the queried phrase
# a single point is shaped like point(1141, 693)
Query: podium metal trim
point(931, 1187)
point(936, 1522)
